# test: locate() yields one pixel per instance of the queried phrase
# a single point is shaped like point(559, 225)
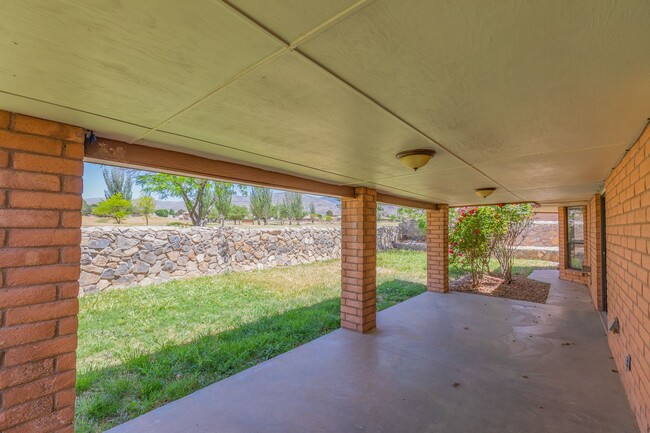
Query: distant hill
point(323, 204)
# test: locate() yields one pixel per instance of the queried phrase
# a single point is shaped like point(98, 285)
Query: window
point(575, 240)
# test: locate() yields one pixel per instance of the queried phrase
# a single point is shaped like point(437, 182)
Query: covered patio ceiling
point(539, 99)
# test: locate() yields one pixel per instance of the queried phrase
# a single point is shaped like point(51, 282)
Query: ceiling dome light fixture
point(415, 158)
point(484, 192)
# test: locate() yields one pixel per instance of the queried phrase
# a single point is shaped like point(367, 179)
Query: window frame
point(568, 242)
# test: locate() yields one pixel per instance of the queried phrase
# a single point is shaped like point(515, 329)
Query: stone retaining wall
point(115, 257)
point(543, 234)
point(550, 254)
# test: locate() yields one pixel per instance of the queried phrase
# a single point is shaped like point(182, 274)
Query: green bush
point(162, 213)
point(115, 207)
point(479, 233)
point(179, 224)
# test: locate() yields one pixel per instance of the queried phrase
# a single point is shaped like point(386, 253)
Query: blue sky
point(94, 182)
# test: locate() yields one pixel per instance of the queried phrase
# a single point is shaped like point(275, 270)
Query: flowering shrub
point(477, 233)
point(512, 222)
point(470, 238)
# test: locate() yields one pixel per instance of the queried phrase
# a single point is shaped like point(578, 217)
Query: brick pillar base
point(40, 217)
point(437, 249)
point(358, 260)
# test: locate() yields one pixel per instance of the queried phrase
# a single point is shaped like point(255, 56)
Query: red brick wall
point(593, 251)
point(437, 246)
point(565, 273)
point(40, 217)
point(358, 260)
point(627, 204)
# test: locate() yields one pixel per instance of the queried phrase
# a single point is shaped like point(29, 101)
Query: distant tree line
point(205, 200)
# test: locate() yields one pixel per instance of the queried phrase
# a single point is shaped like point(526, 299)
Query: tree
point(417, 215)
point(118, 181)
point(284, 208)
point(237, 213)
point(224, 192)
point(294, 204)
point(380, 212)
point(198, 195)
point(145, 205)
point(512, 223)
point(261, 202)
point(86, 209)
point(283, 213)
point(312, 212)
point(329, 215)
point(115, 206)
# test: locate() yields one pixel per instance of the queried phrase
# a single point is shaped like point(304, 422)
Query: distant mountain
point(323, 204)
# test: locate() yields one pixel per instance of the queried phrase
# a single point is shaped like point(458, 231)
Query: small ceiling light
point(484, 192)
point(415, 158)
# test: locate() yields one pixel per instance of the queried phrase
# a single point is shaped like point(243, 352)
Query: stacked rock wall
point(114, 257)
point(543, 240)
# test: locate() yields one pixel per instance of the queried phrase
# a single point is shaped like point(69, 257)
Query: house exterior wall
point(40, 216)
point(627, 206)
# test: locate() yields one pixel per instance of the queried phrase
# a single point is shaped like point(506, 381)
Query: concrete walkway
point(453, 363)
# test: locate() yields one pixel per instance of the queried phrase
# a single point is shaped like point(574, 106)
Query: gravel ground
point(521, 289)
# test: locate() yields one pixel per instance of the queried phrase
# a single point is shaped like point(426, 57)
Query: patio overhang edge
point(137, 156)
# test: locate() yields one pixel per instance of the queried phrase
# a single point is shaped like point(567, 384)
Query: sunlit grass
point(142, 347)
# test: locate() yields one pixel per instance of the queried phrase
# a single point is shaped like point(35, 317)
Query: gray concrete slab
point(564, 293)
point(520, 367)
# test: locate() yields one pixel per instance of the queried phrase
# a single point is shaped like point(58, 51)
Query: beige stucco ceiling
point(539, 99)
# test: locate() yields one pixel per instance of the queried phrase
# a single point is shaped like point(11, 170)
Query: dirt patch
point(521, 288)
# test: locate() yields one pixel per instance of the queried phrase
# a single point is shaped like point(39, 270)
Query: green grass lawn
point(142, 347)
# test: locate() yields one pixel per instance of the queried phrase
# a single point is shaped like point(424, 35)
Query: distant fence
point(115, 257)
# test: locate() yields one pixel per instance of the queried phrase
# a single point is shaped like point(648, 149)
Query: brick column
point(40, 217)
point(437, 249)
point(358, 260)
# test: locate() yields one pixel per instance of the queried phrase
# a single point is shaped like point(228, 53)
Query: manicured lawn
point(143, 347)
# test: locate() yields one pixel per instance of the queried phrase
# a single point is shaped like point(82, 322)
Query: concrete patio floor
point(519, 367)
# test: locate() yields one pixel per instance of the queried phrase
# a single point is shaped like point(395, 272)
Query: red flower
point(500, 204)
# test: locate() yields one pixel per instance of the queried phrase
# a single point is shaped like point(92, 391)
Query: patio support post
point(41, 164)
point(358, 260)
point(437, 246)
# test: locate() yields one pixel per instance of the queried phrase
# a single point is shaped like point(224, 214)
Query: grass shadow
point(110, 396)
